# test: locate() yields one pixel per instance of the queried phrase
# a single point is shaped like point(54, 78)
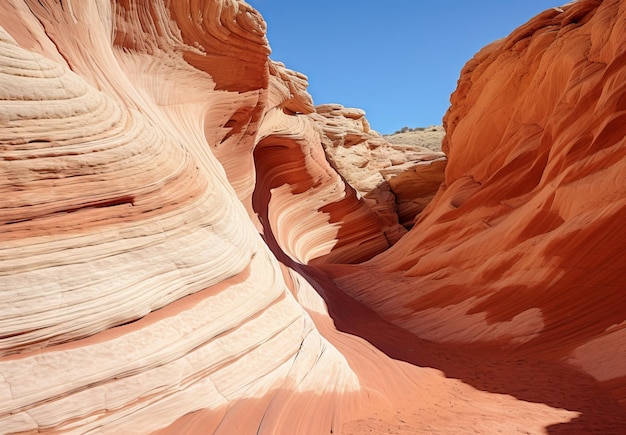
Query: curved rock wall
point(136, 289)
point(303, 203)
point(523, 247)
point(172, 215)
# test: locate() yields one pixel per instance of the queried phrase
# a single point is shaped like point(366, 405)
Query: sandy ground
point(429, 138)
point(474, 381)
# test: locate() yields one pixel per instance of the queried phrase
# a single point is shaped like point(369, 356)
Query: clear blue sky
point(397, 60)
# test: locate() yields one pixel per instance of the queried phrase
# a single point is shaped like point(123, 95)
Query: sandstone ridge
point(188, 244)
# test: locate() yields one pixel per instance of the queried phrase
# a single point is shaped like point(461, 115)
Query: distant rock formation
point(189, 245)
point(396, 176)
point(424, 137)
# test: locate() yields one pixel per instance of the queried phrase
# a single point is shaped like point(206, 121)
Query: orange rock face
point(189, 245)
point(523, 246)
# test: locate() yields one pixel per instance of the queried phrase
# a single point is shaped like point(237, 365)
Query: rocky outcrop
point(189, 245)
point(523, 248)
point(397, 180)
point(303, 203)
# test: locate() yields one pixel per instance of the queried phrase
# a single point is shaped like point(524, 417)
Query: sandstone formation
point(189, 245)
point(523, 247)
point(396, 179)
point(136, 289)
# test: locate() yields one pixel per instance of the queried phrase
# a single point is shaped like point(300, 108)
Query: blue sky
point(397, 60)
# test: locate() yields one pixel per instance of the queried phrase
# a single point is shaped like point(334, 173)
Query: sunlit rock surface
point(523, 247)
point(135, 287)
point(396, 180)
point(181, 227)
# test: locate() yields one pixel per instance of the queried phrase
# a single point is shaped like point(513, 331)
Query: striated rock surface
point(189, 245)
point(306, 208)
point(523, 247)
point(135, 287)
point(396, 179)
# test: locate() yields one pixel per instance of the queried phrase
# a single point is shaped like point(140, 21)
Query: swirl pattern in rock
point(523, 246)
point(174, 208)
point(130, 295)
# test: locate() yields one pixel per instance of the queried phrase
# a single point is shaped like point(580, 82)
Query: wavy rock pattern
point(523, 247)
point(303, 202)
point(173, 213)
point(135, 287)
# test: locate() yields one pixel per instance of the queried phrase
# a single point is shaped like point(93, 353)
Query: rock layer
point(396, 179)
point(181, 227)
point(136, 289)
point(523, 248)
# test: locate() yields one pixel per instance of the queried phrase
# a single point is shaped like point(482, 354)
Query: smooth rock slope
point(189, 245)
point(523, 247)
point(135, 287)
